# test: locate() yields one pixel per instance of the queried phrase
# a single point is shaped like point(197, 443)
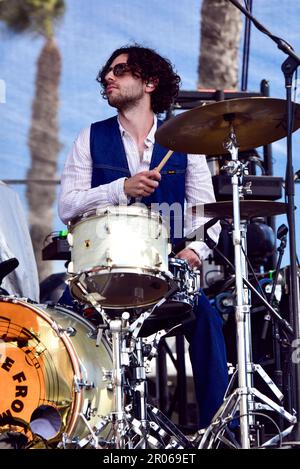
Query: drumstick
point(164, 160)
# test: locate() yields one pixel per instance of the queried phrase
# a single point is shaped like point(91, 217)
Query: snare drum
point(120, 256)
point(53, 377)
point(188, 279)
point(179, 308)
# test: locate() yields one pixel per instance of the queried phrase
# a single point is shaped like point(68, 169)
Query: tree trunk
point(44, 147)
point(221, 26)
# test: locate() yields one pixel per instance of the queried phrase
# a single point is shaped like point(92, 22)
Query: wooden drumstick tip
point(164, 160)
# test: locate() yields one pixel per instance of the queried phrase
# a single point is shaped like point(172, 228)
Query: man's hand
point(191, 257)
point(142, 184)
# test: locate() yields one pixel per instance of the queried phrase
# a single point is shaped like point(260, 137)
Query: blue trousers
point(207, 354)
point(208, 358)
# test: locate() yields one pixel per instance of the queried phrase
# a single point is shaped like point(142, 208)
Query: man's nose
point(109, 77)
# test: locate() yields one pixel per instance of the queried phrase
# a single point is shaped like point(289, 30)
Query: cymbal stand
point(241, 403)
point(242, 309)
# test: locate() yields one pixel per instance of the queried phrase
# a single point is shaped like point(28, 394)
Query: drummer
point(112, 162)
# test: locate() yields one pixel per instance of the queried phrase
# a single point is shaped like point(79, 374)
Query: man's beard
point(124, 102)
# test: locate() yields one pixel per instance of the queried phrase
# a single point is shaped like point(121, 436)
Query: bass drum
point(53, 380)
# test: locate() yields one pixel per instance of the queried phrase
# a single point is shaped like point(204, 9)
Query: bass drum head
point(48, 358)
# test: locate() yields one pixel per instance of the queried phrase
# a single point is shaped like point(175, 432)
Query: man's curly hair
point(148, 65)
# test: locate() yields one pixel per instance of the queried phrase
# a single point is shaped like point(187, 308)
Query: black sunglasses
point(119, 69)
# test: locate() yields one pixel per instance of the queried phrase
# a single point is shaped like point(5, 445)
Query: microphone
point(282, 236)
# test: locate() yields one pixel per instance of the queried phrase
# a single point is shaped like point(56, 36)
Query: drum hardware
point(80, 383)
point(288, 68)
point(129, 426)
point(245, 394)
point(249, 392)
point(137, 424)
point(70, 331)
point(137, 325)
point(129, 350)
point(134, 426)
point(235, 124)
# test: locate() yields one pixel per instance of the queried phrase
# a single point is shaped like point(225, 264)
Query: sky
point(90, 30)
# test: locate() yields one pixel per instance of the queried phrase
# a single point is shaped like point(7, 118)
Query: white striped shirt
point(77, 197)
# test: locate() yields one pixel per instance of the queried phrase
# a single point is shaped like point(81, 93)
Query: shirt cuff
point(117, 195)
point(200, 248)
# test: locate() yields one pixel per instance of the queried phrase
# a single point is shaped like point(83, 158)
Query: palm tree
point(221, 26)
point(39, 17)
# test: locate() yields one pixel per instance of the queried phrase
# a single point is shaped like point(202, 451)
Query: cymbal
point(257, 122)
point(248, 209)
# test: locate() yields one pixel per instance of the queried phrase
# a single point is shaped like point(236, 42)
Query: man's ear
point(151, 84)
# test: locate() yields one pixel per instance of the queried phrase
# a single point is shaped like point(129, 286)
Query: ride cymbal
point(256, 122)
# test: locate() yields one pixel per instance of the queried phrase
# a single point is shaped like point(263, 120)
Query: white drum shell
point(120, 238)
point(121, 249)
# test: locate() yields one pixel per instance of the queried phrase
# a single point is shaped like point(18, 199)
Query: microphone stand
point(288, 68)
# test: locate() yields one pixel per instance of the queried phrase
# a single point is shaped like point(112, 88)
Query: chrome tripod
point(242, 403)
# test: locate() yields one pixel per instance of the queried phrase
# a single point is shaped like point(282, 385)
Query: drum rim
point(93, 271)
point(130, 210)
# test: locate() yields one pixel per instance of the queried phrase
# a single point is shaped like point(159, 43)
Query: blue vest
point(110, 163)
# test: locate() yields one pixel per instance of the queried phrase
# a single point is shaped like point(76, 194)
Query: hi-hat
point(256, 122)
point(248, 209)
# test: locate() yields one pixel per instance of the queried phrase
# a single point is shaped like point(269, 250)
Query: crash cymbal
point(248, 209)
point(257, 121)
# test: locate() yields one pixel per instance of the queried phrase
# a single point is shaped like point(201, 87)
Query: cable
point(254, 274)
